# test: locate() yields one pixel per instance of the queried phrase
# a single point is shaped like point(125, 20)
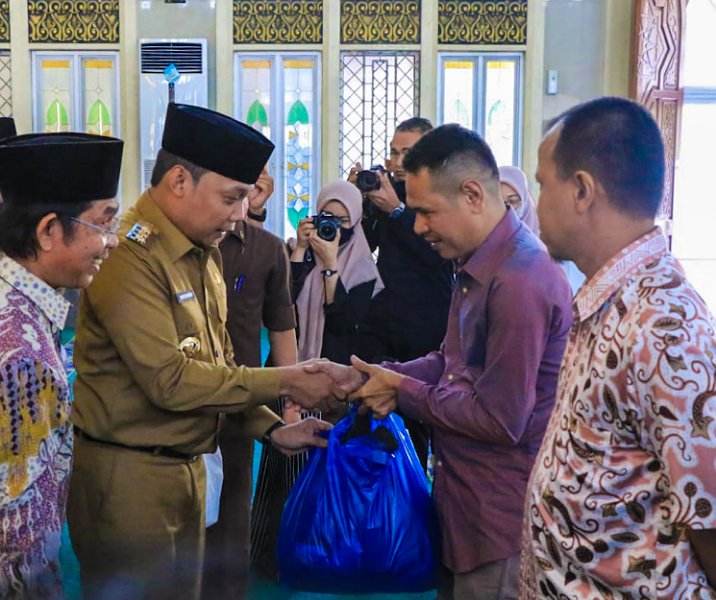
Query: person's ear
point(48, 232)
point(585, 191)
point(178, 180)
point(474, 193)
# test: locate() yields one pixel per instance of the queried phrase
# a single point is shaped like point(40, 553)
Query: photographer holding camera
point(334, 276)
point(408, 320)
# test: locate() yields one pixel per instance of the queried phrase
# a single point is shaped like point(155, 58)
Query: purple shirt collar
point(483, 263)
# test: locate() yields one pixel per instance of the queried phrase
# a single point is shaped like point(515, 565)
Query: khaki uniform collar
point(173, 241)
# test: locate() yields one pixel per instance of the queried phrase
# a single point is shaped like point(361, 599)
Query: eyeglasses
point(105, 232)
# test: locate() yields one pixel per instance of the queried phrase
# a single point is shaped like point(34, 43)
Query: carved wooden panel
point(482, 21)
point(656, 60)
point(4, 20)
point(278, 21)
point(73, 21)
point(380, 22)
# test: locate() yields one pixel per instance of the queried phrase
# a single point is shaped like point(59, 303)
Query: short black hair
point(19, 220)
point(166, 160)
point(451, 148)
point(619, 143)
point(420, 124)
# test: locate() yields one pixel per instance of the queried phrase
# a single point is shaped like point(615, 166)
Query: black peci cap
point(59, 167)
point(216, 142)
point(7, 127)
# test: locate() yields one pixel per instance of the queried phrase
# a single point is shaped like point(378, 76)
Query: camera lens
point(327, 231)
point(367, 181)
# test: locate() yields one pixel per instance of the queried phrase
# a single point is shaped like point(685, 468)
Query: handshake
point(321, 384)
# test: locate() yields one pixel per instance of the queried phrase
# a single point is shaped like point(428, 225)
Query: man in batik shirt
point(625, 476)
point(57, 223)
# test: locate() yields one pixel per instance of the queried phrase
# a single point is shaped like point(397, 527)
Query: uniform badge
point(190, 347)
point(184, 296)
point(142, 233)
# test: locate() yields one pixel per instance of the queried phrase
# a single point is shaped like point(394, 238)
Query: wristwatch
point(266, 438)
point(397, 211)
point(329, 272)
point(261, 217)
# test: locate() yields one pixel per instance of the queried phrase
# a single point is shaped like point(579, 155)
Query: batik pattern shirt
point(626, 467)
point(35, 434)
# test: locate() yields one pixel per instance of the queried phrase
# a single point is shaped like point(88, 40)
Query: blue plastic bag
point(360, 518)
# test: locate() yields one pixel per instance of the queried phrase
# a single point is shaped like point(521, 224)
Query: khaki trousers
point(137, 523)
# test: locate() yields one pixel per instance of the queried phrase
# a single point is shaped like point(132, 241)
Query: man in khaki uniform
point(156, 372)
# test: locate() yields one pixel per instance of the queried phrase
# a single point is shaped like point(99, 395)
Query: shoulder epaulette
point(142, 233)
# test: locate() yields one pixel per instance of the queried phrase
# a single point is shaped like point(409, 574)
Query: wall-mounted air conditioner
point(189, 57)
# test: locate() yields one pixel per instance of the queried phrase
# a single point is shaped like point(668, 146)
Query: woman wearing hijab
point(333, 281)
point(516, 194)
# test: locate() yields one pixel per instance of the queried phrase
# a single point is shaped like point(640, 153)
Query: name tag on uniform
point(185, 296)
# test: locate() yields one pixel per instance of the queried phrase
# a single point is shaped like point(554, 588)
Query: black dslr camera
point(326, 225)
point(369, 180)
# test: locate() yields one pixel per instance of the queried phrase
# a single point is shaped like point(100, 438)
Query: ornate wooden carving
point(278, 21)
point(380, 22)
point(73, 21)
point(482, 21)
point(656, 59)
point(4, 20)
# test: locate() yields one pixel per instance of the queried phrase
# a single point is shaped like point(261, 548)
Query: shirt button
point(464, 290)
point(439, 463)
point(451, 377)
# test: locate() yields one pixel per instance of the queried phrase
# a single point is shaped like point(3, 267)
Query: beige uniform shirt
point(153, 356)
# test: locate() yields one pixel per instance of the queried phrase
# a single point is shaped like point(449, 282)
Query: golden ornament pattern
point(278, 21)
point(4, 20)
point(482, 21)
point(75, 21)
point(380, 22)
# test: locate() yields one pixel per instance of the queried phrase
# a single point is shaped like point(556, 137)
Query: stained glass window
point(76, 92)
point(379, 90)
point(278, 95)
point(483, 92)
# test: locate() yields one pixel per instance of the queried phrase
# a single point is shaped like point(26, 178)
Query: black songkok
point(7, 127)
point(216, 142)
point(59, 167)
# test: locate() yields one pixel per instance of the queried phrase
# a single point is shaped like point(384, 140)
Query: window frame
point(479, 76)
point(276, 207)
point(76, 58)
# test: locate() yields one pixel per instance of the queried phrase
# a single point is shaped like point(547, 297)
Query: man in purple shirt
point(488, 392)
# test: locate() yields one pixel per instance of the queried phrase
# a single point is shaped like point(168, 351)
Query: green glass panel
point(57, 115)
point(257, 114)
point(298, 114)
point(98, 120)
point(294, 216)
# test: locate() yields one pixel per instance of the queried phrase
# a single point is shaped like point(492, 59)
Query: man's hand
point(353, 173)
point(309, 390)
point(384, 198)
point(292, 439)
point(261, 192)
point(347, 378)
point(380, 393)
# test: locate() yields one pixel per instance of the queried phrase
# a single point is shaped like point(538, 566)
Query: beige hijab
point(355, 266)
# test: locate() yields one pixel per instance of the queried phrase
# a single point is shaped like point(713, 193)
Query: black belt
point(154, 450)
